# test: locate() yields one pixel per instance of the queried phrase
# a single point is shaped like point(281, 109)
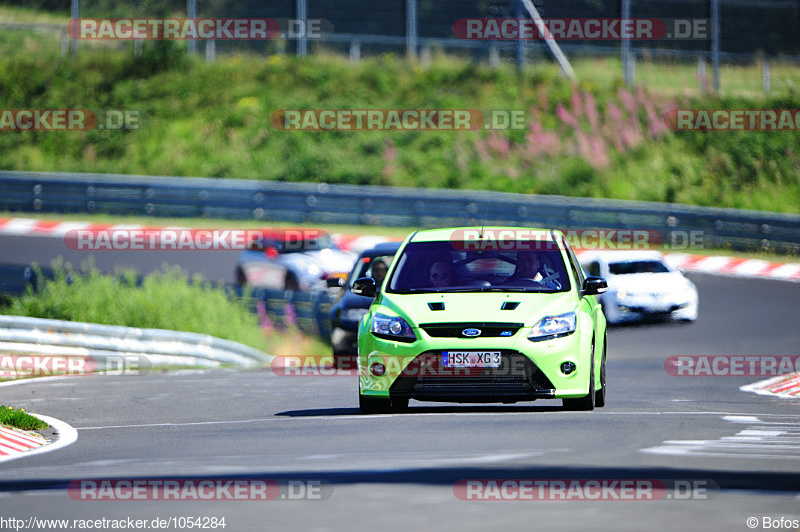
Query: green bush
point(168, 299)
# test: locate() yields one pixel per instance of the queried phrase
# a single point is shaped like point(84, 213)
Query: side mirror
point(593, 286)
point(334, 282)
point(365, 286)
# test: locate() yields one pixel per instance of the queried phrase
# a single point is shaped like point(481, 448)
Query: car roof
point(621, 256)
point(384, 248)
point(457, 233)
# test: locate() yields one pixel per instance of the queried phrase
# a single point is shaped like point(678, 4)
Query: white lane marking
point(758, 439)
point(788, 384)
point(785, 271)
point(410, 415)
point(711, 264)
point(36, 379)
point(65, 227)
point(742, 419)
point(14, 446)
point(19, 226)
point(752, 267)
point(67, 435)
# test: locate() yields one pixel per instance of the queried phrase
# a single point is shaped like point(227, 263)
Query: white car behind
point(641, 284)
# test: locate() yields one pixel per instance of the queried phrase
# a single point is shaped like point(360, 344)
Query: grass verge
point(594, 139)
point(168, 299)
point(20, 419)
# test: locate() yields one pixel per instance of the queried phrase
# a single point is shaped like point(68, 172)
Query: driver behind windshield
point(528, 265)
point(529, 268)
point(379, 270)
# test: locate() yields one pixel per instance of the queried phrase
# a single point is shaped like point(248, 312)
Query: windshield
point(375, 267)
point(293, 241)
point(450, 267)
point(637, 266)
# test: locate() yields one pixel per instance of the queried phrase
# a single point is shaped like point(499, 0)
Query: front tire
point(381, 405)
point(291, 283)
point(600, 395)
point(241, 278)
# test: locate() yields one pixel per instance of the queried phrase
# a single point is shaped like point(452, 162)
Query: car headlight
point(622, 293)
point(354, 314)
point(553, 327)
point(391, 328)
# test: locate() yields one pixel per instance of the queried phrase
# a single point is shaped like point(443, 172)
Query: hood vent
point(509, 305)
point(438, 305)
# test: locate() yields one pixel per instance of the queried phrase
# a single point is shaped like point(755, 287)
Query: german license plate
point(471, 359)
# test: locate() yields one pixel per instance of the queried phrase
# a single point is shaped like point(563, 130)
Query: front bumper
point(637, 308)
point(528, 371)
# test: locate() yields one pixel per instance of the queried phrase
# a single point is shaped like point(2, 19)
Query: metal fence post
point(302, 15)
point(627, 56)
point(520, 50)
point(766, 77)
point(191, 12)
point(715, 30)
point(355, 51)
point(411, 28)
point(211, 51)
point(701, 75)
point(75, 14)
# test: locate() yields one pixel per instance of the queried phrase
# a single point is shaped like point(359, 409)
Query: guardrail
point(308, 311)
point(388, 206)
point(111, 347)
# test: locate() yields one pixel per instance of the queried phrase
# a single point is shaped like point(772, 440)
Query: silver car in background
point(641, 284)
point(292, 259)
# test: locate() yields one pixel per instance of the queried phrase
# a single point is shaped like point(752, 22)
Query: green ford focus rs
point(482, 315)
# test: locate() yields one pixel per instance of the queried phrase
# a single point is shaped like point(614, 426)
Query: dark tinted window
point(638, 266)
point(450, 266)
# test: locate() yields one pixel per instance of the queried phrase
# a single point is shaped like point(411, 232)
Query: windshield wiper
point(513, 289)
point(416, 291)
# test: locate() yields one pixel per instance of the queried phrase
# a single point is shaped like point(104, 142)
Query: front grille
point(517, 379)
point(455, 330)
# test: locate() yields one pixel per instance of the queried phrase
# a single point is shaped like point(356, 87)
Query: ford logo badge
point(471, 332)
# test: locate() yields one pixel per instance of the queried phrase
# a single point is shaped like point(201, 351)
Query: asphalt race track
point(739, 451)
